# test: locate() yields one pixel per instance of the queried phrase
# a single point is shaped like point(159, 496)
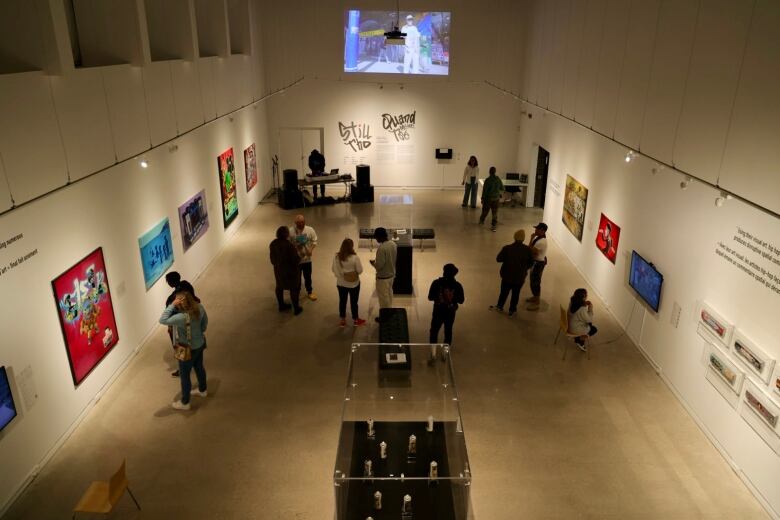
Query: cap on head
point(541, 225)
point(450, 270)
point(409, 17)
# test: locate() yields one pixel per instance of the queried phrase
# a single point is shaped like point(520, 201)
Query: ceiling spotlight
point(144, 163)
point(719, 201)
point(684, 184)
point(629, 156)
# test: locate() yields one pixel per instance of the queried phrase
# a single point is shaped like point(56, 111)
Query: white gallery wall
point(71, 140)
point(679, 231)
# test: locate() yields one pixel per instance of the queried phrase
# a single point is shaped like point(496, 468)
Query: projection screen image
point(424, 50)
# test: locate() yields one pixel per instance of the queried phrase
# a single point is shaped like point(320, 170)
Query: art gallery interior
point(121, 119)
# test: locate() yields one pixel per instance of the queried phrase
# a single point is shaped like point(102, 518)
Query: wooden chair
point(564, 327)
point(101, 497)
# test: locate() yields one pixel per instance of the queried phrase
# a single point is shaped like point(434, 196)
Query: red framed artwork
point(86, 314)
point(607, 238)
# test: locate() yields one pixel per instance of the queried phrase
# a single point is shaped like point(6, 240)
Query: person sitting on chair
point(317, 167)
point(581, 318)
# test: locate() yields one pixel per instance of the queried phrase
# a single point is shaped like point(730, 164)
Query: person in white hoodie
point(347, 268)
point(581, 317)
point(471, 182)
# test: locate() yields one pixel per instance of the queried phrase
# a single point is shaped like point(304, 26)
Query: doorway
point(295, 145)
point(540, 186)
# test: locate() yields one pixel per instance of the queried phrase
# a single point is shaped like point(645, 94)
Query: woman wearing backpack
point(347, 268)
point(446, 293)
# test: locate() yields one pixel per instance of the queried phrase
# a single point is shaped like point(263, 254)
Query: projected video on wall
point(424, 47)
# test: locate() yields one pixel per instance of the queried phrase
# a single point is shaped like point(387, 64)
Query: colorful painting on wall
point(575, 201)
point(193, 219)
point(250, 164)
point(227, 186)
point(156, 251)
point(86, 314)
point(607, 238)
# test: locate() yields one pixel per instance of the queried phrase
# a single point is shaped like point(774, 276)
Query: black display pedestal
point(430, 501)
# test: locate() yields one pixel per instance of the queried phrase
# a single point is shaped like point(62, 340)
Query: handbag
point(184, 352)
point(351, 276)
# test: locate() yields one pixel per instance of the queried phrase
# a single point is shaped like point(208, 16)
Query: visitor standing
point(581, 318)
point(538, 245)
point(384, 263)
point(317, 167)
point(190, 322)
point(286, 262)
point(515, 259)
point(471, 182)
point(347, 268)
point(446, 293)
point(491, 194)
point(173, 279)
point(305, 239)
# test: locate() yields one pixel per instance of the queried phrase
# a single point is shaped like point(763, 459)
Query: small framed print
point(762, 413)
point(714, 324)
point(720, 364)
point(755, 359)
point(774, 382)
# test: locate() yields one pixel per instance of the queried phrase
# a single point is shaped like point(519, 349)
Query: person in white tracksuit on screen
point(412, 50)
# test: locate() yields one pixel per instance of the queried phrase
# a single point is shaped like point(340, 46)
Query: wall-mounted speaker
point(444, 153)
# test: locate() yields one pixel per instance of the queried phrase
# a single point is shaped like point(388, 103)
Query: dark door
point(540, 186)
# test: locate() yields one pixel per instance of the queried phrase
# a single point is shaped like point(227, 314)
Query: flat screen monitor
point(7, 407)
point(645, 279)
point(424, 50)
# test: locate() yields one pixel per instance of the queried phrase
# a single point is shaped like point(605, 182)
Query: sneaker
point(178, 405)
point(342, 323)
point(197, 392)
point(175, 373)
point(473, 207)
point(582, 347)
point(312, 297)
point(496, 308)
point(493, 229)
point(298, 311)
point(512, 313)
point(358, 322)
point(462, 205)
point(285, 307)
point(532, 299)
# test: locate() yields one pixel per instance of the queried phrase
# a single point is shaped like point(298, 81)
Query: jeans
point(536, 278)
point(489, 205)
point(506, 287)
point(306, 272)
point(384, 290)
point(593, 330)
point(441, 317)
point(184, 374)
point(322, 190)
point(471, 188)
point(354, 294)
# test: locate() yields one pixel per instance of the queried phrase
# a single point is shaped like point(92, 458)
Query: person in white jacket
point(347, 268)
point(581, 318)
point(471, 182)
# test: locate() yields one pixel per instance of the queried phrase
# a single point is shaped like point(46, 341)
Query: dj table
point(345, 179)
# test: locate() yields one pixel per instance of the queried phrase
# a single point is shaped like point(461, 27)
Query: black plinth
point(403, 264)
point(430, 501)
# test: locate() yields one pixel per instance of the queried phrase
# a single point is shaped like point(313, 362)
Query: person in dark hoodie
point(446, 293)
point(285, 259)
point(515, 259)
point(317, 167)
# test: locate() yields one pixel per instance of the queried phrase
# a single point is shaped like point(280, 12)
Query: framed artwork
point(725, 369)
point(193, 219)
point(250, 164)
point(714, 324)
point(7, 405)
point(227, 186)
point(156, 251)
point(575, 200)
point(607, 238)
point(761, 405)
point(755, 359)
point(86, 314)
point(774, 382)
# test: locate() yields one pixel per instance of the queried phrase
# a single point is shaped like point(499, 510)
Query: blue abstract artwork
point(156, 251)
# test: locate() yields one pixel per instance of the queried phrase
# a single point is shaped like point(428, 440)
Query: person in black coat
point(515, 259)
point(285, 259)
point(446, 293)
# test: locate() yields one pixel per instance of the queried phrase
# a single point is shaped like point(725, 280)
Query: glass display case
point(402, 451)
point(395, 212)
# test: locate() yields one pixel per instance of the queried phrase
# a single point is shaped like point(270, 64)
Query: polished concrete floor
point(601, 438)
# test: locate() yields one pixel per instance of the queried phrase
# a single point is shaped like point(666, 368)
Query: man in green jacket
point(491, 194)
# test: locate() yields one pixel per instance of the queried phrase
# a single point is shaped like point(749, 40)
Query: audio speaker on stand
point(290, 180)
point(363, 174)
